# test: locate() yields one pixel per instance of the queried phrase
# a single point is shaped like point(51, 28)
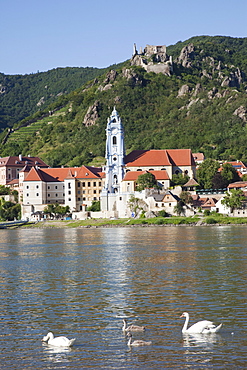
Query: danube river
point(82, 282)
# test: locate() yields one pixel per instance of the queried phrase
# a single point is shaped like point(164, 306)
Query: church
point(113, 185)
point(122, 171)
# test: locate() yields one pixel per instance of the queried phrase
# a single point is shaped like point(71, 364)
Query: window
point(69, 199)
point(48, 195)
point(114, 140)
point(84, 198)
point(37, 186)
point(89, 184)
point(94, 184)
point(27, 187)
point(100, 183)
point(37, 194)
point(56, 187)
point(78, 184)
point(83, 184)
point(95, 191)
point(79, 192)
point(69, 192)
point(94, 198)
point(27, 195)
point(48, 187)
point(56, 195)
point(69, 185)
point(79, 198)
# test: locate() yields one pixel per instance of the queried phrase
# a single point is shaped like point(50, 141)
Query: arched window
point(115, 179)
point(114, 140)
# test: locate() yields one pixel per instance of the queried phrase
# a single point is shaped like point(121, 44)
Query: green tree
point(9, 211)
point(179, 179)
point(229, 173)
point(146, 181)
point(186, 197)
point(4, 190)
point(95, 207)
point(50, 210)
point(234, 199)
point(55, 210)
point(137, 205)
point(219, 182)
point(179, 208)
point(206, 172)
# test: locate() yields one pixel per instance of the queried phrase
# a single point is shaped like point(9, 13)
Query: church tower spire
point(115, 153)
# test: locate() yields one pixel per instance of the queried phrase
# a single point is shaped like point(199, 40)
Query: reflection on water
point(81, 282)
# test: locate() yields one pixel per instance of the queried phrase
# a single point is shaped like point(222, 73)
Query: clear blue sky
point(40, 35)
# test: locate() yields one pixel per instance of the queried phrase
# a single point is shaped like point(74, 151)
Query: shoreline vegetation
point(129, 222)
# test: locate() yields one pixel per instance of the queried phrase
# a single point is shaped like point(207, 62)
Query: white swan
point(137, 342)
point(58, 341)
point(201, 327)
point(132, 327)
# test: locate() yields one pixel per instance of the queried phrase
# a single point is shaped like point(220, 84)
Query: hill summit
point(188, 95)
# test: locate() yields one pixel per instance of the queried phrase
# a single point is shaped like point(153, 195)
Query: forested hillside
point(202, 105)
point(23, 95)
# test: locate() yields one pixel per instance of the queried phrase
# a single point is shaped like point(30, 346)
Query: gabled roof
point(162, 197)
point(133, 175)
point(147, 158)
point(60, 174)
point(238, 184)
point(191, 182)
point(237, 164)
point(163, 157)
point(198, 156)
point(20, 161)
point(181, 157)
point(84, 172)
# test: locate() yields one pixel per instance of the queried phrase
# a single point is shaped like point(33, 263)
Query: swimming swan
point(58, 341)
point(201, 327)
point(137, 342)
point(132, 327)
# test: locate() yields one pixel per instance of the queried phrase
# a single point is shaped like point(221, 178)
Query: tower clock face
point(114, 131)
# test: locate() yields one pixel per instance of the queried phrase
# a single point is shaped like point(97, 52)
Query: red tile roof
point(238, 184)
point(198, 156)
point(21, 161)
point(59, 174)
point(133, 175)
point(181, 157)
point(175, 157)
point(147, 158)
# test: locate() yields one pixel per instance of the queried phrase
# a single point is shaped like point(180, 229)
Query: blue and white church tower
point(115, 153)
point(114, 169)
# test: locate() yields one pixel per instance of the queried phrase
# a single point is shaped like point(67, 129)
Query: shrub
point(211, 221)
point(163, 213)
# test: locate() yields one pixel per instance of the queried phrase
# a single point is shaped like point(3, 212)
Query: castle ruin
point(153, 59)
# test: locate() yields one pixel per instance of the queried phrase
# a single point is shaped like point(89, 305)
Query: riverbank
point(158, 221)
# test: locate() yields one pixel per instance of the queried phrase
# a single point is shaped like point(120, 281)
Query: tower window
point(114, 140)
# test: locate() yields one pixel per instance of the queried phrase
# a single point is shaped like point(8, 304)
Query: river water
point(82, 282)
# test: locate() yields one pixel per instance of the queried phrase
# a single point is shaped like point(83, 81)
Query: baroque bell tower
point(115, 153)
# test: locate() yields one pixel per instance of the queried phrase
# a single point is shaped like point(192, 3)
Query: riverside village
point(115, 187)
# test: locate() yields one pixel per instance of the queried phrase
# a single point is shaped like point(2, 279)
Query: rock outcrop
point(92, 115)
point(153, 59)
